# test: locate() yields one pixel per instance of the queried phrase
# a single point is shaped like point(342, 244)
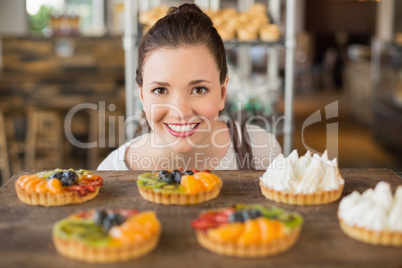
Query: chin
point(182, 148)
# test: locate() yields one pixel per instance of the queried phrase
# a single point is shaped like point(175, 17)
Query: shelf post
point(131, 59)
point(289, 75)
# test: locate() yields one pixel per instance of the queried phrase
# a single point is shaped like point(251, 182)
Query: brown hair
point(185, 25)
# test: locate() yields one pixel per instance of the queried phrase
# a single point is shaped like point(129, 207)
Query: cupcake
point(247, 230)
point(374, 217)
point(58, 187)
point(308, 180)
point(106, 236)
point(178, 187)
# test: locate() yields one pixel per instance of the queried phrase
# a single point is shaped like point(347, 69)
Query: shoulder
point(264, 145)
point(116, 160)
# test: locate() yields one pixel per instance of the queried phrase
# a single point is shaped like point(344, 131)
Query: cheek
point(208, 109)
point(154, 112)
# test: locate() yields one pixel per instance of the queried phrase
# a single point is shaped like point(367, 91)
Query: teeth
point(182, 128)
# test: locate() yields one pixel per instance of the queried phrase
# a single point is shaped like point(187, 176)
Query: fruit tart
point(374, 217)
point(105, 236)
point(179, 187)
point(58, 187)
point(248, 230)
point(308, 180)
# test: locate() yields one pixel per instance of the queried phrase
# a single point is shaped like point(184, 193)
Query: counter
point(25, 230)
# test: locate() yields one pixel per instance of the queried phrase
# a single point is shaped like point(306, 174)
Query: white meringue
point(307, 174)
point(375, 209)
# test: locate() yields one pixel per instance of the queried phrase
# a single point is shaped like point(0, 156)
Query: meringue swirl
point(375, 210)
point(307, 174)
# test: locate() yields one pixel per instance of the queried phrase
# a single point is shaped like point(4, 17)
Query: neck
point(165, 157)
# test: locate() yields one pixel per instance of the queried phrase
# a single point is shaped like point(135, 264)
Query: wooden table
point(25, 231)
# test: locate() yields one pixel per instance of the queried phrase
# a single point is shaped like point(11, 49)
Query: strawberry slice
point(126, 213)
point(90, 188)
point(228, 211)
point(203, 224)
point(80, 189)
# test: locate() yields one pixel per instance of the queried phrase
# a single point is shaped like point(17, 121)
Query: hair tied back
point(185, 8)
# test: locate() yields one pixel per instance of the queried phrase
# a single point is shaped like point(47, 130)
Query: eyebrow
point(194, 82)
point(160, 83)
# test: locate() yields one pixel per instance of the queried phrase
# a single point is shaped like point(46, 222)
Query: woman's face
point(182, 96)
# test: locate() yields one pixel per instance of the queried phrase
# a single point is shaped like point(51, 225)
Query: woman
point(182, 79)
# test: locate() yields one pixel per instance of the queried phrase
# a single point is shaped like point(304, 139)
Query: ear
point(141, 95)
point(223, 93)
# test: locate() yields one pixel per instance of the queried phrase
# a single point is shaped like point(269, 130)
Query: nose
point(181, 107)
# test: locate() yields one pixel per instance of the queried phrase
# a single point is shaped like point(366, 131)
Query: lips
point(182, 130)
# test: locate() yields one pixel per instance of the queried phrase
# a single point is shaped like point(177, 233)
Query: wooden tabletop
point(25, 231)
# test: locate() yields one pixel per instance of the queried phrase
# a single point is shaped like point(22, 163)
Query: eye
point(159, 91)
point(200, 90)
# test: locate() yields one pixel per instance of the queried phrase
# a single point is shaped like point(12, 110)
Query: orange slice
point(228, 232)
point(30, 185)
point(210, 180)
point(54, 186)
point(192, 184)
point(251, 234)
point(137, 228)
point(41, 187)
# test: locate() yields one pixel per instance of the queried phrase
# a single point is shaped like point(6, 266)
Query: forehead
point(188, 61)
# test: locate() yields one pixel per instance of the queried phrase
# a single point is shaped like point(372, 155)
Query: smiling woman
point(182, 78)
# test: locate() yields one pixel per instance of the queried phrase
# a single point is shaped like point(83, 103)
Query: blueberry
point(177, 176)
point(249, 214)
point(66, 181)
point(71, 175)
point(106, 225)
point(163, 173)
point(166, 177)
point(255, 213)
point(111, 220)
point(188, 172)
point(57, 175)
point(99, 215)
point(236, 216)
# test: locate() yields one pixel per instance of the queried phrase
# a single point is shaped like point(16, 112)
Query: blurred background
point(63, 88)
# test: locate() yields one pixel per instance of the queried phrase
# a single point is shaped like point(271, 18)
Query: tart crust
point(384, 238)
point(248, 251)
point(301, 199)
point(179, 198)
point(75, 249)
point(48, 199)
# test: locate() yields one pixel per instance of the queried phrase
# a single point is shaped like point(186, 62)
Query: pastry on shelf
point(58, 187)
point(269, 33)
point(179, 187)
point(149, 17)
point(248, 25)
point(106, 236)
point(248, 230)
point(246, 34)
point(374, 217)
point(308, 180)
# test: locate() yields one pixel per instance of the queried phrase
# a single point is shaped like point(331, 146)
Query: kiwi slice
point(84, 230)
point(151, 181)
point(289, 219)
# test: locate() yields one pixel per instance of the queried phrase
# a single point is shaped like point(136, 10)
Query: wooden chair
point(44, 141)
point(4, 158)
point(107, 131)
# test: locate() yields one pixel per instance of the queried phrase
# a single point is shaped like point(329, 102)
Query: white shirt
point(264, 146)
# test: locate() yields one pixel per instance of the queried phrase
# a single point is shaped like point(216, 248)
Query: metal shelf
point(131, 40)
